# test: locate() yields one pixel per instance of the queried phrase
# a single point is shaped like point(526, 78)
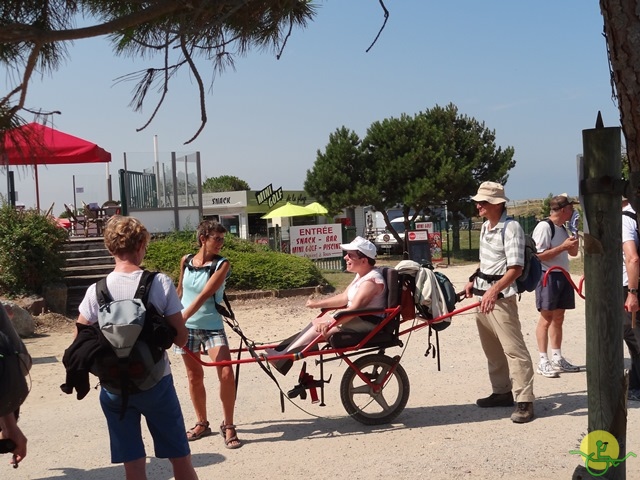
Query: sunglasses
point(354, 255)
point(216, 239)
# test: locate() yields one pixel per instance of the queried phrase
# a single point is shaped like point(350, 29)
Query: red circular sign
point(386, 238)
point(412, 235)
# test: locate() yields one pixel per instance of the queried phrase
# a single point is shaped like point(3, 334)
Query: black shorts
point(558, 294)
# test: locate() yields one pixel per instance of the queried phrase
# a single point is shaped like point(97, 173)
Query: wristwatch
point(633, 291)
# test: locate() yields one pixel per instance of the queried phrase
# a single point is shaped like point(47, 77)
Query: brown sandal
point(233, 441)
point(193, 435)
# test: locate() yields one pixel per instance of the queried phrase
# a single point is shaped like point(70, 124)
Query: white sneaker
point(561, 365)
point(546, 370)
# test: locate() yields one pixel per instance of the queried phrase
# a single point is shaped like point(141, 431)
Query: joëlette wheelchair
point(375, 387)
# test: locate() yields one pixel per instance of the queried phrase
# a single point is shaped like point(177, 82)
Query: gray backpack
point(136, 336)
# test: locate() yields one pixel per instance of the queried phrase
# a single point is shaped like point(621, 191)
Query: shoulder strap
point(213, 268)
point(102, 292)
point(551, 226)
point(504, 227)
point(144, 286)
point(632, 216)
point(187, 259)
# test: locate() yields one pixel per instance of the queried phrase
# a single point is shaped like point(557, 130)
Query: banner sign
point(435, 245)
point(269, 196)
point(316, 241)
point(424, 226)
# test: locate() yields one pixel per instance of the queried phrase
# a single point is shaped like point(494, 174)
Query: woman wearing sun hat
point(367, 290)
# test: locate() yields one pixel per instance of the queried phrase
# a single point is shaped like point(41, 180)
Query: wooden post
point(601, 189)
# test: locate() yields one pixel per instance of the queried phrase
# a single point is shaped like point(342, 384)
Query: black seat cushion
point(349, 339)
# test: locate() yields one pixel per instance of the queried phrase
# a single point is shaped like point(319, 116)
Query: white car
point(386, 242)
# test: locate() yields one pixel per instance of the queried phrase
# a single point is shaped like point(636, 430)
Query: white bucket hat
point(491, 192)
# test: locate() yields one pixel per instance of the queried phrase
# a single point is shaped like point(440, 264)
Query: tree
point(434, 157)
point(622, 32)
point(224, 183)
point(546, 206)
point(33, 36)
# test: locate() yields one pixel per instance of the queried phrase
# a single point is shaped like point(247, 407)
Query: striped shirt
point(497, 252)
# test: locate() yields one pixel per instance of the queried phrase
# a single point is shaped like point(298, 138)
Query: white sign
point(422, 235)
point(316, 241)
point(424, 226)
point(221, 200)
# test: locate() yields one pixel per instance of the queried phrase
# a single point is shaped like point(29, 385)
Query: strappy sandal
point(234, 441)
point(192, 435)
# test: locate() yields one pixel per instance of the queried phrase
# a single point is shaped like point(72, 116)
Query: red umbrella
point(36, 144)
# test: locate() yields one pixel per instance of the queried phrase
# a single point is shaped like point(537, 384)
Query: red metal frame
point(309, 351)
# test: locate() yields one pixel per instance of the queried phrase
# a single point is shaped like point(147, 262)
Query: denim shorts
point(161, 409)
point(203, 340)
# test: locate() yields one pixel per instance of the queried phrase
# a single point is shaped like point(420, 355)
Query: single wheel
point(366, 405)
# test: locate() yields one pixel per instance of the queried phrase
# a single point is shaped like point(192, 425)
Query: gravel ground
point(441, 434)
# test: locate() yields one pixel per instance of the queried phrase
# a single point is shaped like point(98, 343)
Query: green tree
point(224, 183)
point(546, 206)
point(430, 158)
point(34, 35)
point(30, 245)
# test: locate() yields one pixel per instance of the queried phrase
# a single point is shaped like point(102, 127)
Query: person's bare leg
point(183, 468)
point(136, 469)
point(542, 330)
point(555, 329)
point(227, 389)
point(197, 392)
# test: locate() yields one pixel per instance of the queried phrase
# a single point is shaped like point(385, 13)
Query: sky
point(535, 72)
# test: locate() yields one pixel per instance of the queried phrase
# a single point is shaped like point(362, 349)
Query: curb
point(291, 292)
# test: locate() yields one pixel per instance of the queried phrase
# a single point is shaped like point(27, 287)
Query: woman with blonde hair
point(126, 238)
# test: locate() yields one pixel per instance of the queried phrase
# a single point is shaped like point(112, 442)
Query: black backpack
point(135, 336)
point(532, 269)
point(13, 383)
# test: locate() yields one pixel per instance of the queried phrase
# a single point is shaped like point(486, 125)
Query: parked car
point(386, 242)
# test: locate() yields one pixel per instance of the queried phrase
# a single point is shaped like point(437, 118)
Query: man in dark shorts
point(554, 244)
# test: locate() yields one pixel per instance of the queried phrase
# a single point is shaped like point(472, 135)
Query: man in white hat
point(501, 261)
point(554, 244)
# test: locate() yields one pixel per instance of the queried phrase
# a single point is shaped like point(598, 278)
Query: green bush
point(253, 266)
point(30, 245)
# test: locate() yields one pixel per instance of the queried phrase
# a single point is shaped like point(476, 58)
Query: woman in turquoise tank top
point(201, 286)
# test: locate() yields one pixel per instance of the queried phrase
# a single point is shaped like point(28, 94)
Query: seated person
point(367, 290)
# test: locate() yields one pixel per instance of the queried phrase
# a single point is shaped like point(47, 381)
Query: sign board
point(435, 245)
point(316, 241)
point(424, 226)
point(418, 236)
